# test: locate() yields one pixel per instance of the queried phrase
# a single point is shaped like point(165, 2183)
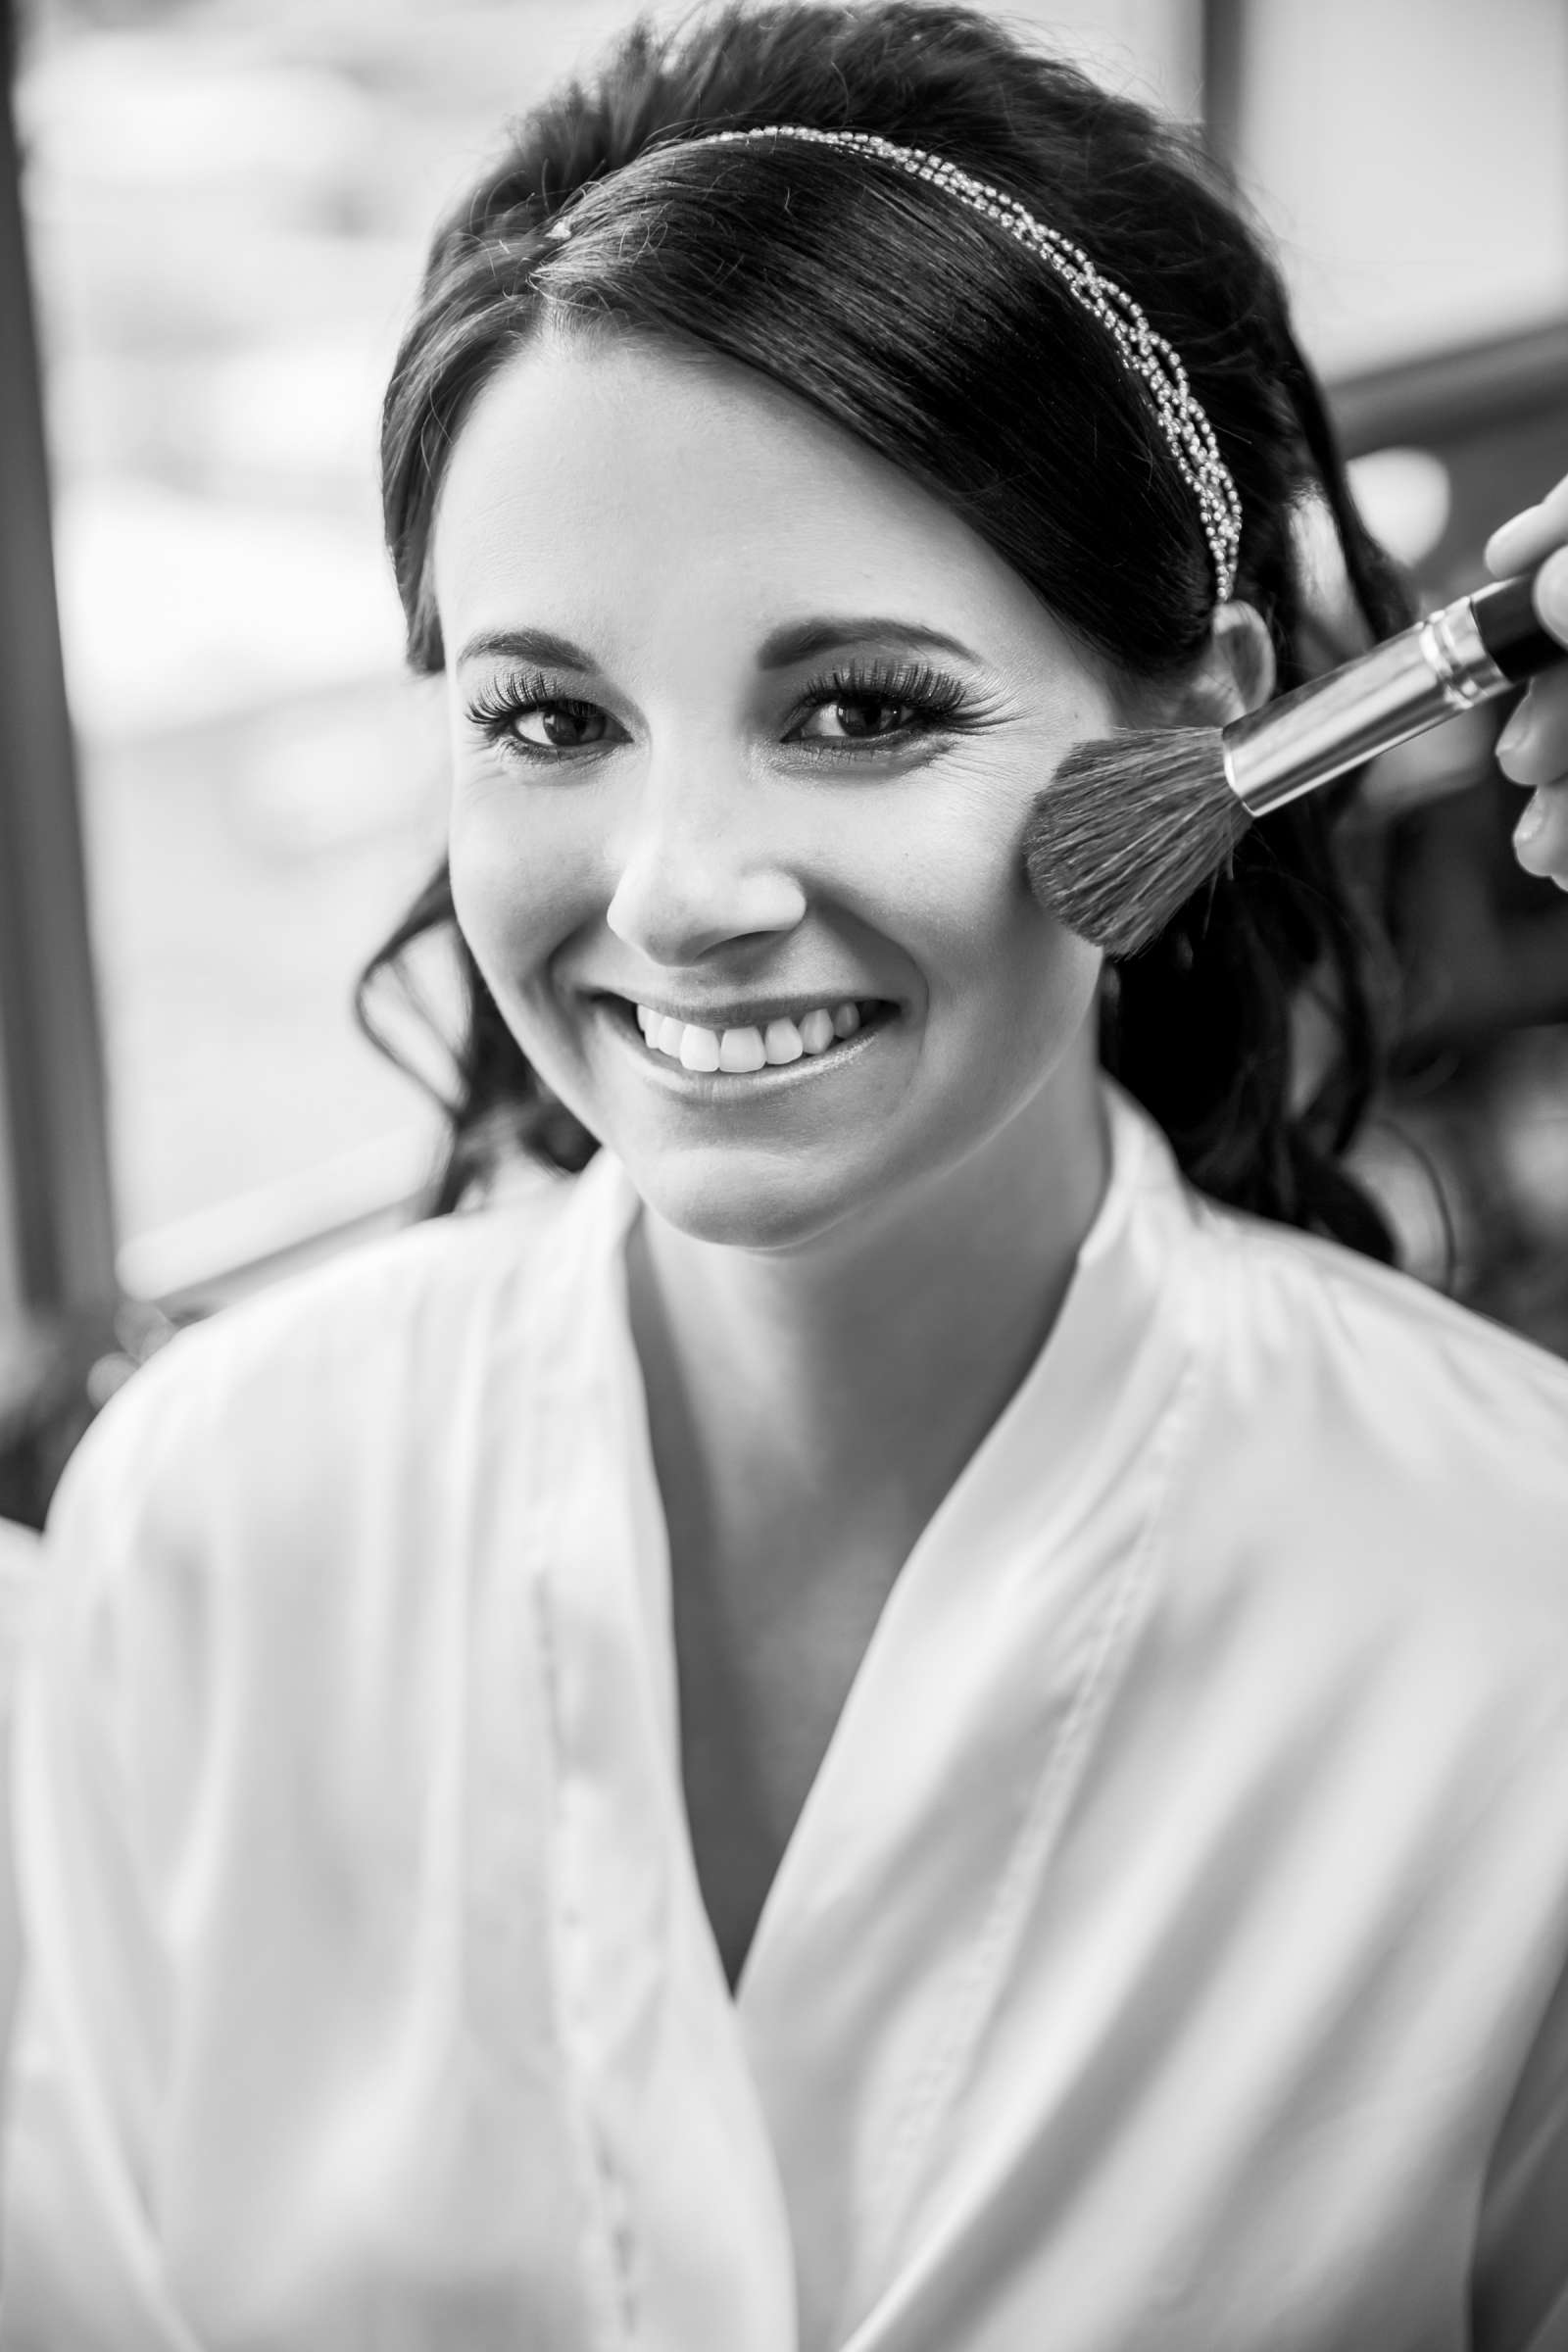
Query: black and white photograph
point(783, 1176)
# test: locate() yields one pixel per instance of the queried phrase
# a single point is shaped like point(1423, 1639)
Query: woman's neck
point(824, 1399)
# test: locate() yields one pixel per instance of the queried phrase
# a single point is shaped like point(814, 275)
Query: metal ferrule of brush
point(1337, 723)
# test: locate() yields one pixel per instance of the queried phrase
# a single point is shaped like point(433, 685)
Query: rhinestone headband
point(1144, 354)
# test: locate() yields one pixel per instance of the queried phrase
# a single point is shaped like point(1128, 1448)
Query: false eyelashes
point(932, 701)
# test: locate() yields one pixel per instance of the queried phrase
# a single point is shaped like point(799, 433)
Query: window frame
point(57, 1236)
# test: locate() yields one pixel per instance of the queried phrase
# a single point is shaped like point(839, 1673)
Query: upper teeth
point(781, 1041)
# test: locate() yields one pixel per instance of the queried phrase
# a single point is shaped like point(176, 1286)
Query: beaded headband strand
point(1144, 354)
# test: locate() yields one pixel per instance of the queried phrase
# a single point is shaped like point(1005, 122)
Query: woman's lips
point(746, 1048)
point(742, 1047)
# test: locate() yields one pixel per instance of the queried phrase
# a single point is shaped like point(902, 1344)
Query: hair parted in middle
point(943, 344)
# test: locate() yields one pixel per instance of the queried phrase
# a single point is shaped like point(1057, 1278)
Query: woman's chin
point(737, 1200)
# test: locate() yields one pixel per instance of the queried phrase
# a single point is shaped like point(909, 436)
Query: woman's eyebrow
point(802, 640)
point(796, 641)
point(527, 645)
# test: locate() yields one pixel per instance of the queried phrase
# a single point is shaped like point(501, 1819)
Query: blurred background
point(217, 792)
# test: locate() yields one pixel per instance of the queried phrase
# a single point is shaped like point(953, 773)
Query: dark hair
point(950, 349)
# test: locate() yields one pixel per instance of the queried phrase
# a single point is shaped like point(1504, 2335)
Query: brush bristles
point(1128, 828)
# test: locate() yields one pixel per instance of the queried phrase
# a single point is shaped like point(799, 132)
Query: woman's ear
point(1235, 673)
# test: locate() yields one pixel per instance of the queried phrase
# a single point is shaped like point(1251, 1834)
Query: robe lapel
point(889, 1930)
point(892, 1924)
point(689, 2241)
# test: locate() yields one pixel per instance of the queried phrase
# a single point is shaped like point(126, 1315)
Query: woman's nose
point(694, 870)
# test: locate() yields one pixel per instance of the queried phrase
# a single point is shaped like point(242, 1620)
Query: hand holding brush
point(1132, 824)
point(1533, 748)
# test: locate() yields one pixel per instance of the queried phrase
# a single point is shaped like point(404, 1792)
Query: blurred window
point(1411, 158)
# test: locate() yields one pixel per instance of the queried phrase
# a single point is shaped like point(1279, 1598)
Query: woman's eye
point(859, 718)
point(559, 726)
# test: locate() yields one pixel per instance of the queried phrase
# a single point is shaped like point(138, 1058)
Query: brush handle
point(1470, 651)
point(1506, 620)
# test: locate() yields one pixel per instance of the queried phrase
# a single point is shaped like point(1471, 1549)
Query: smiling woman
point(748, 819)
point(911, 1714)
point(1034, 427)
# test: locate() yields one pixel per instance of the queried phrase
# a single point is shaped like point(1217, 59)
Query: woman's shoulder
point(1317, 1298)
point(423, 1282)
point(1382, 1432)
point(331, 1370)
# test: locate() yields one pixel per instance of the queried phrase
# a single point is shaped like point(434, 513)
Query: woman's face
point(746, 727)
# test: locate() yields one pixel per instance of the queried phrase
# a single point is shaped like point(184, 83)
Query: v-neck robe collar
point(828, 2074)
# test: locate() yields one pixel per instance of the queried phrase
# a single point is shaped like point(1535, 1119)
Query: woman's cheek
point(968, 895)
point(521, 881)
point(1071, 987)
point(516, 904)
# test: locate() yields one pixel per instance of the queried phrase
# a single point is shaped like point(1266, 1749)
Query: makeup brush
point(1132, 824)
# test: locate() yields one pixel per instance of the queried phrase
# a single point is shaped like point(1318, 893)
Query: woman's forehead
point(613, 472)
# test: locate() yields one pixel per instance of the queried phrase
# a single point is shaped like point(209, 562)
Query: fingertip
point(1515, 736)
point(1540, 836)
point(1526, 537)
point(1531, 824)
point(1552, 594)
point(1508, 549)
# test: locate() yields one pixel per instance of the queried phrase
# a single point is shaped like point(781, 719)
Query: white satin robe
point(1169, 1956)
